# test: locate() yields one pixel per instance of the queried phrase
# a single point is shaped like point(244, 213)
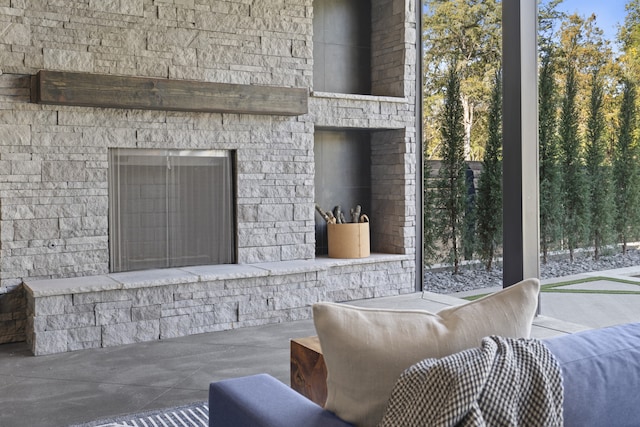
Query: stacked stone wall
point(390, 149)
point(393, 42)
point(54, 196)
point(124, 308)
point(247, 42)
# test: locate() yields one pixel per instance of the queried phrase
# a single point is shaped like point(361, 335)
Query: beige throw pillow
point(367, 349)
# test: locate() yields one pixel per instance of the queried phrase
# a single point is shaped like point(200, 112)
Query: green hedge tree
point(451, 188)
point(470, 215)
point(625, 169)
point(549, 169)
point(598, 172)
point(574, 189)
point(429, 250)
point(489, 205)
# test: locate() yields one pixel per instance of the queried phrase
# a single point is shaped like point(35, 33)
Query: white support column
point(521, 240)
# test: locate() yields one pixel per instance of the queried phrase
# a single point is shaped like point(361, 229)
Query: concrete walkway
point(64, 389)
point(597, 299)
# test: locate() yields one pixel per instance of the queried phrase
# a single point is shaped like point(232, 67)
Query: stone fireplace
point(60, 288)
point(170, 208)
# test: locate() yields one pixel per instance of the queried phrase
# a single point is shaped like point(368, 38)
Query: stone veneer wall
point(124, 308)
point(53, 159)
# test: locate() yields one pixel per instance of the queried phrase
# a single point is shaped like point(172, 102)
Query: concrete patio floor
point(69, 388)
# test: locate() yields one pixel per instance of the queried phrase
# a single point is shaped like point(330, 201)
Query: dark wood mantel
point(102, 90)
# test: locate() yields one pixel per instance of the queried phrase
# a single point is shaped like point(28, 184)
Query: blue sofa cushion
point(601, 375)
point(263, 401)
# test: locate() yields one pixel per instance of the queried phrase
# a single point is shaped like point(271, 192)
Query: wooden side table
point(308, 370)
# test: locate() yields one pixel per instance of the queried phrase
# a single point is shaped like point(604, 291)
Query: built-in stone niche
point(363, 167)
point(342, 46)
point(342, 175)
point(357, 45)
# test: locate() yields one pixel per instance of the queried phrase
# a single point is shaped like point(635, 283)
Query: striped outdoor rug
point(194, 415)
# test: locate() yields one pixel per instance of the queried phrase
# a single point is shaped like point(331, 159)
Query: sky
point(609, 13)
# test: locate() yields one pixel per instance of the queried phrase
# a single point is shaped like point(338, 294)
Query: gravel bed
point(475, 276)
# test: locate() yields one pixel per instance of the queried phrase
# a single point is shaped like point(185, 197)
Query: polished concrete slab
point(69, 388)
point(599, 306)
point(592, 310)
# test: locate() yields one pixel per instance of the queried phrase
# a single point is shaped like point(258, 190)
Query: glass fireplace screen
point(170, 208)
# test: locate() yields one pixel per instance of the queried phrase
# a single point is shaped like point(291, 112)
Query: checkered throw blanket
point(504, 382)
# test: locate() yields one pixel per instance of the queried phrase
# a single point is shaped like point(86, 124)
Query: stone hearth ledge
point(124, 308)
point(204, 273)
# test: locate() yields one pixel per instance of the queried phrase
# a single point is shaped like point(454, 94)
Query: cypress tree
point(470, 219)
point(598, 172)
point(625, 173)
point(490, 185)
point(451, 194)
point(550, 192)
point(574, 191)
point(429, 250)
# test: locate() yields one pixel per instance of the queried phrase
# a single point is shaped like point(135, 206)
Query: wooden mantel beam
point(101, 90)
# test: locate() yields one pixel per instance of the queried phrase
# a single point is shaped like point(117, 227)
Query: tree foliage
point(588, 139)
point(574, 189)
point(625, 168)
point(600, 190)
point(430, 237)
point(451, 188)
point(583, 49)
point(467, 32)
point(549, 170)
point(489, 208)
point(574, 194)
point(629, 37)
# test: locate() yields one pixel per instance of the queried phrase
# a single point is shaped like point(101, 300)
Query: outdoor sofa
point(598, 370)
